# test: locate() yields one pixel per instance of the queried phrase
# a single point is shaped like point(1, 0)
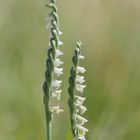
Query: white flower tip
point(81, 109)
point(81, 57)
point(80, 120)
point(79, 99)
point(58, 71)
point(56, 84)
point(58, 53)
point(80, 88)
point(82, 129)
point(81, 69)
point(80, 79)
point(60, 43)
point(58, 62)
point(56, 109)
point(60, 33)
point(56, 94)
point(59, 110)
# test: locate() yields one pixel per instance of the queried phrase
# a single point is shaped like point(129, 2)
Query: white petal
point(81, 109)
point(60, 33)
point(80, 79)
point(81, 57)
point(60, 43)
point(56, 93)
point(82, 129)
point(79, 100)
point(56, 84)
point(58, 53)
point(80, 88)
point(59, 110)
point(81, 69)
point(56, 109)
point(58, 71)
point(80, 120)
point(53, 94)
point(58, 62)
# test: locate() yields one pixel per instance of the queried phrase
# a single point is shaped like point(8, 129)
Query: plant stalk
point(48, 119)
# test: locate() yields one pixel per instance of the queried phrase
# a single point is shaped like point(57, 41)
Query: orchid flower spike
point(51, 86)
point(76, 85)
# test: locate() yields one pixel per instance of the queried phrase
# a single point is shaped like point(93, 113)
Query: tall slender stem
point(49, 126)
point(48, 120)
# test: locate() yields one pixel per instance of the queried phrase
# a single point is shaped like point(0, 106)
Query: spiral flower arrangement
point(51, 86)
point(75, 101)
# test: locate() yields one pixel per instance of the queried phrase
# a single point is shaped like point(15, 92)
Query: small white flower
point(58, 53)
point(80, 120)
point(81, 69)
point(82, 129)
point(80, 88)
point(81, 57)
point(80, 79)
point(56, 93)
point(56, 109)
point(58, 62)
point(79, 100)
point(60, 33)
point(58, 71)
point(56, 84)
point(53, 94)
point(81, 109)
point(60, 43)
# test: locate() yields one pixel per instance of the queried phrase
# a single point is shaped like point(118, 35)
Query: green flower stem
point(48, 113)
point(48, 119)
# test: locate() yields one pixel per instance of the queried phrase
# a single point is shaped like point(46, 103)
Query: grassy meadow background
point(110, 32)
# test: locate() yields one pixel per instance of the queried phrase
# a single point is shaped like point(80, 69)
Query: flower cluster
point(53, 63)
point(52, 85)
point(76, 102)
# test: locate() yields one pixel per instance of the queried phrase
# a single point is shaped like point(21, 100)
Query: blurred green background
point(110, 32)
